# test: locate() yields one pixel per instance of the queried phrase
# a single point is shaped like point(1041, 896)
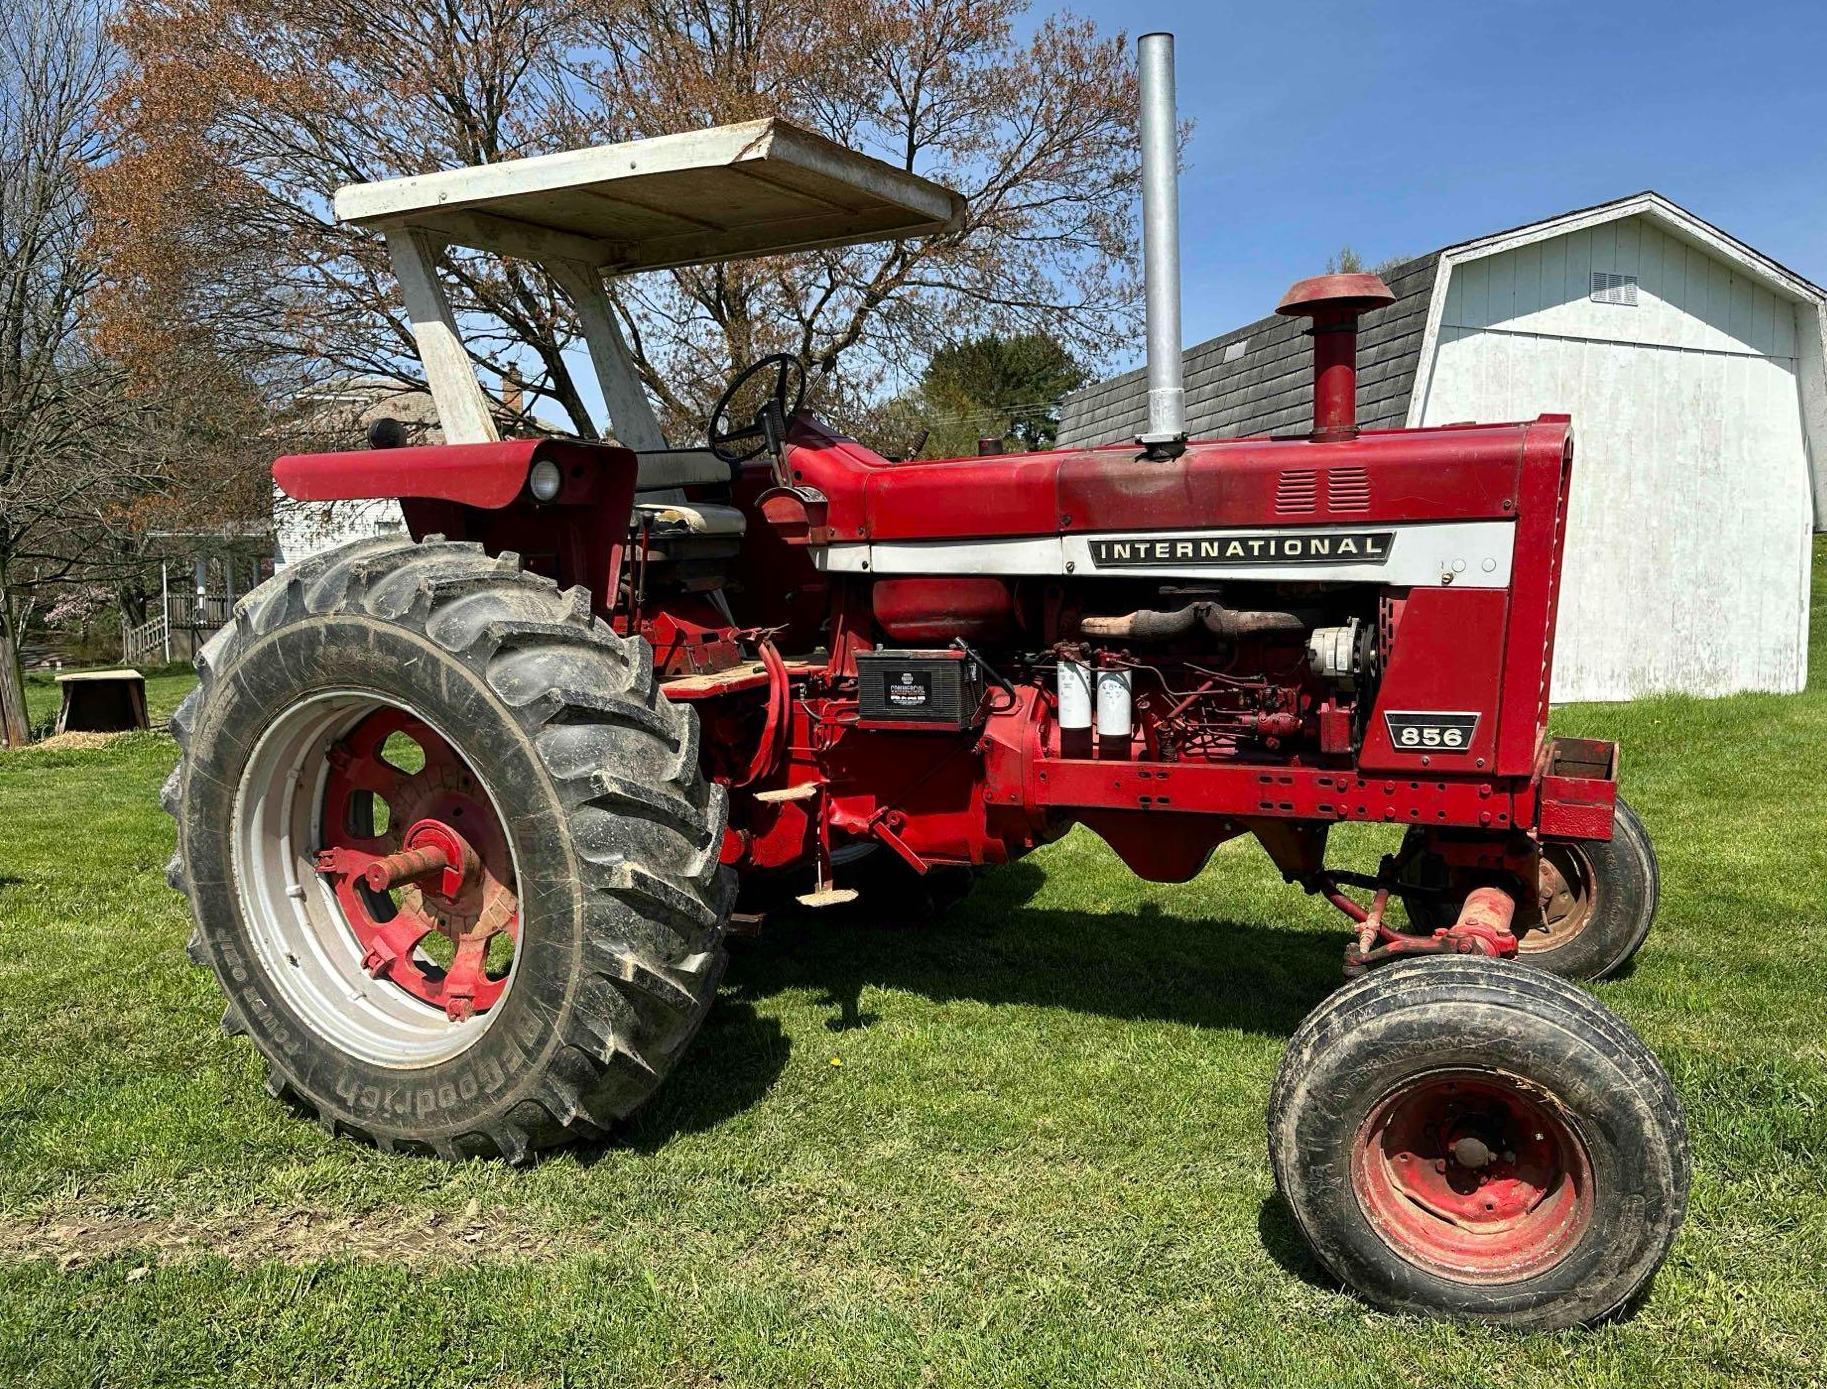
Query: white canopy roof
point(761, 188)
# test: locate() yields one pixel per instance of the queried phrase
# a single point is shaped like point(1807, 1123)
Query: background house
point(201, 576)
point(1693, 367)
point(337, 416)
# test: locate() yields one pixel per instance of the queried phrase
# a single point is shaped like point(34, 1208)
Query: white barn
point(1695, 370)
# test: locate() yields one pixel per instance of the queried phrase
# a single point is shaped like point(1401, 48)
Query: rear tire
point(1403, 1090)
point(549, 721)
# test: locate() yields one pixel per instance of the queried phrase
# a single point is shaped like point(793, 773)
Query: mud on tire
point(614, 835)
point(1597, 1176)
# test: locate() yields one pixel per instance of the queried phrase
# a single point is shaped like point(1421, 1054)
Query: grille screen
point(1348, 489)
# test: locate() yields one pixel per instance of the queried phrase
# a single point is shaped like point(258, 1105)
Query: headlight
point(544, 479)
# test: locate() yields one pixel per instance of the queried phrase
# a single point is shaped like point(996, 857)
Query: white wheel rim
point(299, 933)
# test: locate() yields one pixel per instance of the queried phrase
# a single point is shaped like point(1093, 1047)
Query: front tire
point(548, 992)
point(1459, 1137)
point(1598, 899)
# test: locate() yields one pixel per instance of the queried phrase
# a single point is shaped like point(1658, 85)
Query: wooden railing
point(194, 618)
point(146, 642)
point(200, 610)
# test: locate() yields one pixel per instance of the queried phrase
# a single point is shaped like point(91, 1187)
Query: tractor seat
point(689, 519)
point(685, 546)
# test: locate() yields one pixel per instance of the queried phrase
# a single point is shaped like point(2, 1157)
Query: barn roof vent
point(1611, 288)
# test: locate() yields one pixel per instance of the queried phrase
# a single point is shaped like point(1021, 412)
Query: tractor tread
point(645, 825)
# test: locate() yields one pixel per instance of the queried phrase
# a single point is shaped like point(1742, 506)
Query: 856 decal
point(1428, 731)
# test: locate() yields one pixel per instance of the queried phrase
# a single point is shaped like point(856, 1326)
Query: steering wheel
point(785, 394)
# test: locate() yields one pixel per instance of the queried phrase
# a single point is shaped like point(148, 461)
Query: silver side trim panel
point(1043, 555)
point(1476, 554)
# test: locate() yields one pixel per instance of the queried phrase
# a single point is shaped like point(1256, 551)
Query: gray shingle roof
point(1258, 379)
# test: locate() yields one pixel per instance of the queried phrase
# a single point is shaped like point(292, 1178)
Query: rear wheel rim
point(405, 976)
point(1475, 1176)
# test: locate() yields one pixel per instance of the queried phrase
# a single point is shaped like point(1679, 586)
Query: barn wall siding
point(1688, 538)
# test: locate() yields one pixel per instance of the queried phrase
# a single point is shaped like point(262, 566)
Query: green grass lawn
point(1022, 1147)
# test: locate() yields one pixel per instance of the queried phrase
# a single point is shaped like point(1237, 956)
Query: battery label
point(909, 689)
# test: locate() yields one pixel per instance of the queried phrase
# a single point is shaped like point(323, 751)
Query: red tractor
point(463, 815)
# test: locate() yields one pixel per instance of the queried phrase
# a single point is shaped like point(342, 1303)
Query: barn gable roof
point(1257, 379)
point(1810, 300)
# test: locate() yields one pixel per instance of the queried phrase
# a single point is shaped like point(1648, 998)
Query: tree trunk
point(14, 729)
point(130, 596)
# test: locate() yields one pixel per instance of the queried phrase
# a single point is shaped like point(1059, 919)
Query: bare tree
point(1037, 135)
point(239, 119)
point(100, 448)
point(54, 391)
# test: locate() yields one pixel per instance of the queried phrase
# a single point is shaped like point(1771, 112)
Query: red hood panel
point(481, 475)
point(1457, 473)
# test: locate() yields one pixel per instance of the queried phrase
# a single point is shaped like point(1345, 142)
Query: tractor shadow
point(1141, 965)
point(1283, 1242)
point(1144, 964)
point(729, 1067)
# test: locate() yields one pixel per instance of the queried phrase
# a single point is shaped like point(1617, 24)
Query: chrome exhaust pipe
point(1166, 434)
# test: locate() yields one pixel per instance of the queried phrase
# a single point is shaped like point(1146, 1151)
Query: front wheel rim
point(405, 974)
point(1567, 891)
point(1475, 1176)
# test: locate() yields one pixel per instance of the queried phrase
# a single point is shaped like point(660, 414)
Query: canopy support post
point(631, 416)
point(462, 408)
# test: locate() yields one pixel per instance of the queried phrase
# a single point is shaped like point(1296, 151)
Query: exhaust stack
point(1166, 434)
point(1334, 303)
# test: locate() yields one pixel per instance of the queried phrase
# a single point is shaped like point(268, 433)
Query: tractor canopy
point(757, 189)
point(730, 192)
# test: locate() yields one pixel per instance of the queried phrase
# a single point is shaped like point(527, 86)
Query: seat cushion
point(693, 518)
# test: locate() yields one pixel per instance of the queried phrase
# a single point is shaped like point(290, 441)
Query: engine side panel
point(1444, 657)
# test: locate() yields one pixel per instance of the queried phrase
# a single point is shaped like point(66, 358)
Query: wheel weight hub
point(447, 874)
point(432, 853)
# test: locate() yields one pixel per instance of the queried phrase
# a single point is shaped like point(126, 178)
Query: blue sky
point(1403, 127)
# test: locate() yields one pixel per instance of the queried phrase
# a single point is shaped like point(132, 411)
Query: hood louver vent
point(1296, 492)
point(1348, 489)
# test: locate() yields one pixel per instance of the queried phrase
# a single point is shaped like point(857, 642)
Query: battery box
point(918, 689)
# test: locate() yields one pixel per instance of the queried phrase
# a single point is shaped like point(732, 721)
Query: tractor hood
point(1459, 473)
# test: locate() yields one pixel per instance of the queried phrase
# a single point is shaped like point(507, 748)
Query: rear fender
point(479, 492)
